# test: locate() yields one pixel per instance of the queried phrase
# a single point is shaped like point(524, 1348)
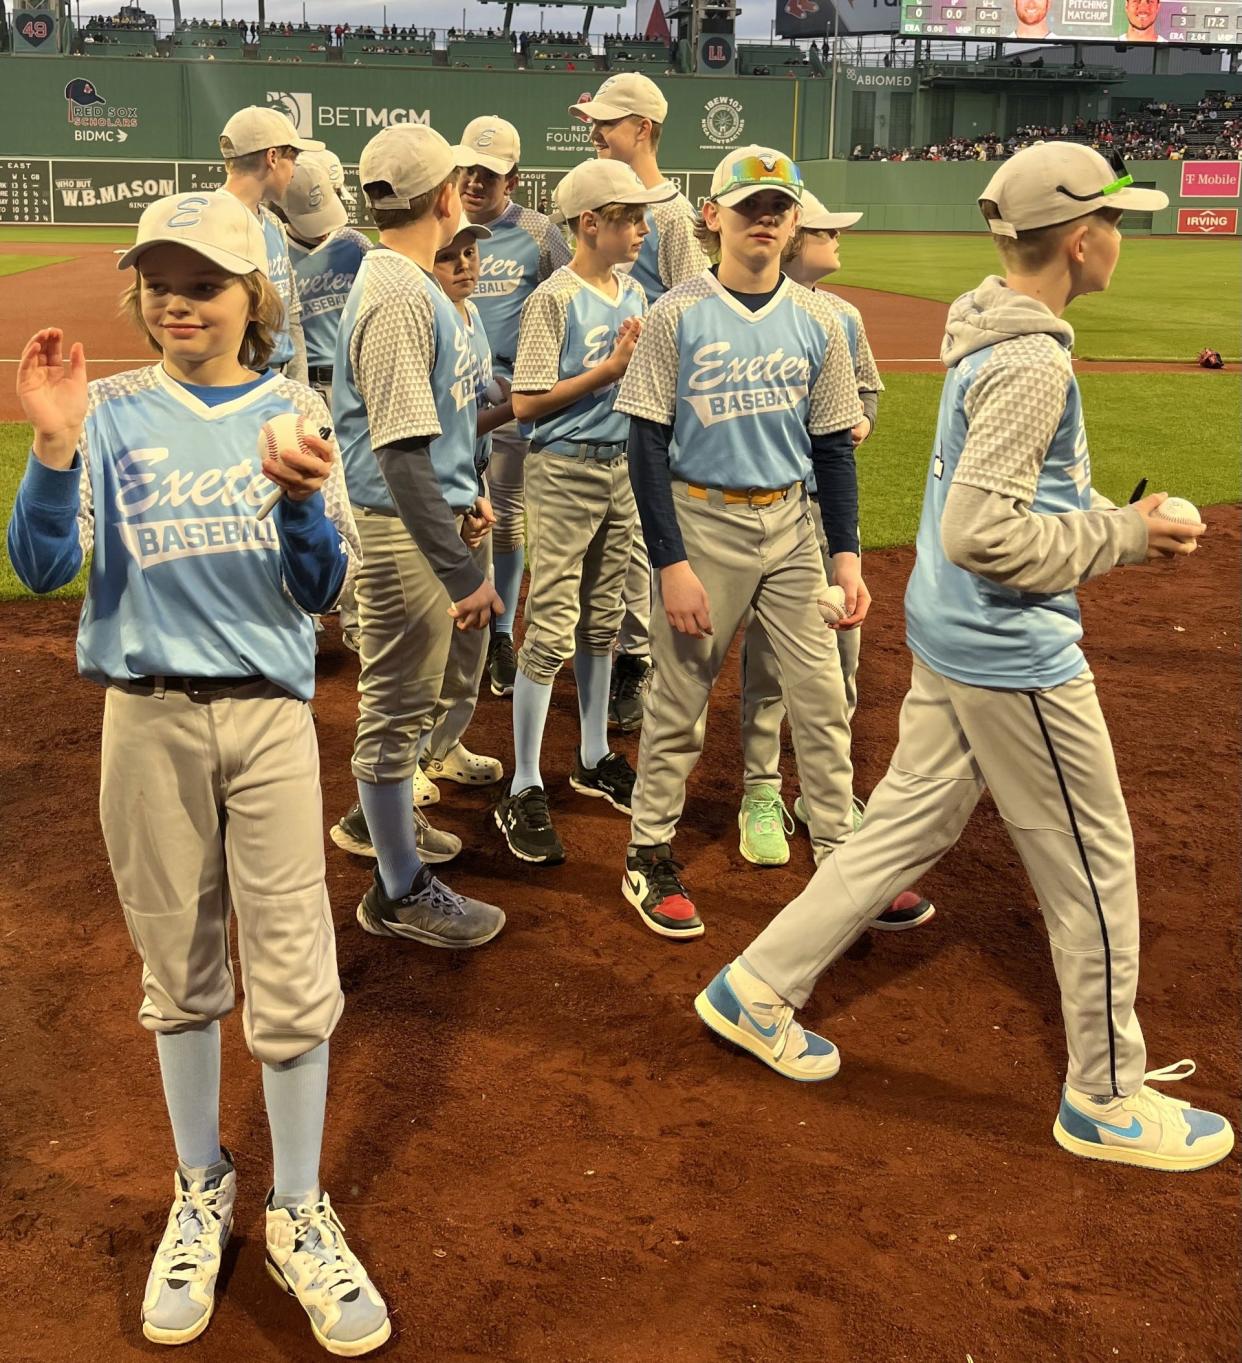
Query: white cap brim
point(467, 157)
point(600, 111)
point(304, 144)
point(731, 198)
point(830, 222)
point(226, 260)
point(476, 229)
point(1137, 200)
point(656, 195)
point(319, 223)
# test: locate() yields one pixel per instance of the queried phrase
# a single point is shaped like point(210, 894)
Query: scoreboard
point(1203, 23)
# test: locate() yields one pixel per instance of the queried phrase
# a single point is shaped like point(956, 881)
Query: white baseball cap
point(331, 162)
point(816, 218)
point(256, 128)
point(411, 157)
point(1051, 182)
point(624, 94)
point(491, 142)
point(214, 223)
point(596, 183)
point(750, 170)
point(476, 229)
point(310, 202)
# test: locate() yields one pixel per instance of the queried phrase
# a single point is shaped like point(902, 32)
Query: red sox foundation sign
point(1216, 222)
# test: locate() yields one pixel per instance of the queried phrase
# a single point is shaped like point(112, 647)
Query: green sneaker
point(857, 810)
point(765, 825)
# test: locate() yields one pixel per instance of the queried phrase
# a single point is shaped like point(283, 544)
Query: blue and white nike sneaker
point(741, 1008)
point(1146, 1128)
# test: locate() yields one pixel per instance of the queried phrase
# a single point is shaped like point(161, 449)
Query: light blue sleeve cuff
point(52, 487)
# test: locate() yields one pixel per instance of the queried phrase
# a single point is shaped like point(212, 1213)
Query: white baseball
point(1180, 510)
point(496, 392)
point(288, 431)
point(832, 606)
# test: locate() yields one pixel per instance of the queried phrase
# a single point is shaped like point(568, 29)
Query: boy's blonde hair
point(390, 218)
point(1037, 247)
point(632, 213)
point(267, 315)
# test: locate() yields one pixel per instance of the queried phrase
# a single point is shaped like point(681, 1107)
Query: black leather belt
point(200, 688)
point(318, 374)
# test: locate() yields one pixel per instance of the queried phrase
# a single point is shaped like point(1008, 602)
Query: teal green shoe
point(765, 825)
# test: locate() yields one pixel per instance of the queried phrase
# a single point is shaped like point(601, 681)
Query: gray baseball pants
point(1048, 761)
point(765, 559)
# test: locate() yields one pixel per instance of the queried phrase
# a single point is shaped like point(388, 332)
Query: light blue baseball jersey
point(280, 272)
point(744, 391)
point(994, 400)
point(523, 250)
point(670, 252)
point(324, 275)
point(403, 369)
point(185, 580)
point(865, 371)
point(481, 350)
point(568, 327)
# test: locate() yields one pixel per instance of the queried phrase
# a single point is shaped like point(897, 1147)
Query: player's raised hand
point(52, 393)
point(301, 474)
point(477, 610)
point(847, 574)
point(685, 600)
point(1166, 539)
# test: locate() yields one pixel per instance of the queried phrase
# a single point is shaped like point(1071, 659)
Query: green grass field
point(10, 265)
point(1169, 297)
point(1129, 422)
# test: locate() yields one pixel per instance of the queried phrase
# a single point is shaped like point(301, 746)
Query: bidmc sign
point(1214, 222)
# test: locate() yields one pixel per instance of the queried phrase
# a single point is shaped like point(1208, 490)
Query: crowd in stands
point(1156, 132)
point(129, 17)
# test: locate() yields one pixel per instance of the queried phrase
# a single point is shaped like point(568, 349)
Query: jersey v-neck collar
point(740, 308)
point(613, 302)
point(179, 393)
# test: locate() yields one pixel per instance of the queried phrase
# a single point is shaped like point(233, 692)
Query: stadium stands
point(772, 59)
point(622, 54)
point(490, 54)
point(559, 56)
point(409, 51)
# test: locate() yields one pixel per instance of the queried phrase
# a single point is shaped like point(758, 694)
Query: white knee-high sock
point(531, 702)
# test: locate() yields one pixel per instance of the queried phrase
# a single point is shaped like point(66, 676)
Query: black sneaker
point(654, 888)
point(613, 780)
point(625, 696)
point(524, 820)
point(501, 664)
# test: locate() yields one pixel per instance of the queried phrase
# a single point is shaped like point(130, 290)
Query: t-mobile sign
point(1211, 179)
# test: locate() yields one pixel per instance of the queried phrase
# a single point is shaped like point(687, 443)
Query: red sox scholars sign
point(1216, 222)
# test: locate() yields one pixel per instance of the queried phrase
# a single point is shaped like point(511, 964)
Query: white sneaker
point(1145, 1128)
point(426, 792)
point(307, 1255)
point(464, 767)
point(741, 1008)
point(181, 1287)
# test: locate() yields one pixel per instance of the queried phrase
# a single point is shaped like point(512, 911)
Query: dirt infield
point(81, 295)
point(542, 1154)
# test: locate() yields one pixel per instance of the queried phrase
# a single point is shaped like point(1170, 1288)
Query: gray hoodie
point(988, 526)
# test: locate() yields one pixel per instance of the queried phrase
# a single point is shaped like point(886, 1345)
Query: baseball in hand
point(496, 392)
point(288, 431)
point(1180, 510)
point(832, 605)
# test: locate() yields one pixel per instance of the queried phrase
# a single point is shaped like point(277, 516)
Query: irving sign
point(1214, 222)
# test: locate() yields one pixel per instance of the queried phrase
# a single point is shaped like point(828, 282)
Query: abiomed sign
point(1212, 222)
point(1211, 179)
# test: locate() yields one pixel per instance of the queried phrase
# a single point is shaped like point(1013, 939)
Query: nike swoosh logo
point(750, 1017)
point(1131, 1132)
point(634, 882)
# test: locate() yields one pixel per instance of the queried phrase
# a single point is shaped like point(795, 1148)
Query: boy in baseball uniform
point(197, 620)
point(741, 381)
point(403, 395)
point(523, 250)
point(260, 148)
point(578, 332)
point(1001, 694)
point(763, 820)
point(445, 756)
point(627, 117)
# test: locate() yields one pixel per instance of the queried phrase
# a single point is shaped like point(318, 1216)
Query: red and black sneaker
point(908, 910)
point(652, 885)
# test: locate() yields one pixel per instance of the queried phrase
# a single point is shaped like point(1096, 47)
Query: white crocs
point(464, 767)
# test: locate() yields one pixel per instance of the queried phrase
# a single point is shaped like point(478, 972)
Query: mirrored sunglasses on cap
point(762, 172)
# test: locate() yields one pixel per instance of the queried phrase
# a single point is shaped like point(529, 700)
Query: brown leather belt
point(755, 496)
point(201, 688)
